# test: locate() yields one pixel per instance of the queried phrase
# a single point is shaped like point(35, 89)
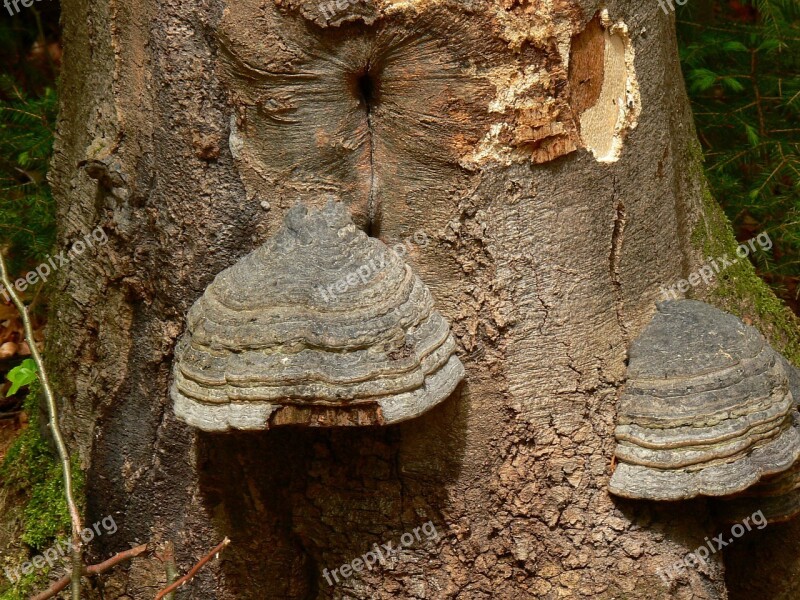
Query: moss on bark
point(35, 505)
point(738, 289)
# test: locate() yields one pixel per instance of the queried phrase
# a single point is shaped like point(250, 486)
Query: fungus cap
point(320, 326)
point(706, 410)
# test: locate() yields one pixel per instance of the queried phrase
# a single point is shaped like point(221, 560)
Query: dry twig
point(91, 571)
point(168, 558)
point(193, 571)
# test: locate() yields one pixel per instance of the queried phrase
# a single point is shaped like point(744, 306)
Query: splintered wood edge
point(327, 416)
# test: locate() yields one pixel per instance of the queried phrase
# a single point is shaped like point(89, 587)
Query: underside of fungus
point(776, 496)
point(706, 410)
point(321, 326)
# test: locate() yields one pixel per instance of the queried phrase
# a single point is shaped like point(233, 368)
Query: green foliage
point(741, 61)
point(32, 469)
point(21, 375)
point(27, 210)
point(27, 118)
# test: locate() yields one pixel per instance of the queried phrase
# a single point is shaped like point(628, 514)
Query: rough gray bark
point(505, 131)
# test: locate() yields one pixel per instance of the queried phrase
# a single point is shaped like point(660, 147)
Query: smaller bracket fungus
point(706, 410)
point(320, 326)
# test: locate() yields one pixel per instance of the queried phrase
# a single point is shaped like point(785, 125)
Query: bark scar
point(617, 239)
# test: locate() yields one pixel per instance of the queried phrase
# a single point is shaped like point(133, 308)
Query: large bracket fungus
point(321, 326)
point(706, 410)
point(776, 496)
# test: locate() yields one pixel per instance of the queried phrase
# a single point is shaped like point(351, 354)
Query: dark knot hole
point(366, 87)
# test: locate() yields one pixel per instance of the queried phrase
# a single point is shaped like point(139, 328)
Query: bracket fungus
point(776, 496)
point(706, 410)
point(793, 374)
point(320, 326)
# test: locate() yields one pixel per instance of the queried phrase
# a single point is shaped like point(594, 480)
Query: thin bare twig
point(171, 568)
point(52, 409)
point(92, 570)
point(193, 571)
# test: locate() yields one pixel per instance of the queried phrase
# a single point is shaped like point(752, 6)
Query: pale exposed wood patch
point(617, 108)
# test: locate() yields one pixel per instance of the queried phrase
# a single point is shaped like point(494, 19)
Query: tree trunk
point(548, 153)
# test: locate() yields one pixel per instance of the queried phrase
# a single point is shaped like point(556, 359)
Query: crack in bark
point(373, 209)
point(367, 87)
point(617, 239)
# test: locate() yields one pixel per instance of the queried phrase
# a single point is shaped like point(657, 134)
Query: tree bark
point(547, 151)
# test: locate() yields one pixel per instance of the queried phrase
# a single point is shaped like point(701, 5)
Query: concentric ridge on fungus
point(776, 496)
point(320, 326)
point(706, 410)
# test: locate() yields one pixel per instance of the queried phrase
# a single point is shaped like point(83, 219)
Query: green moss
point(26, 586)
point(739, 289)
point(32, 472)
point(32, 468)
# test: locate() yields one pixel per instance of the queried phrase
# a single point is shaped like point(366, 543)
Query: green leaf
point(770, 44)
point(21, 375)
point(752, 135)
point(734, 46)
point(732, 84)
point(702, 79)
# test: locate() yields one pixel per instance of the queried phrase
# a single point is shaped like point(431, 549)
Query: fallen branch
point(92, 571)
point(52, 409)
point(193, 571)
